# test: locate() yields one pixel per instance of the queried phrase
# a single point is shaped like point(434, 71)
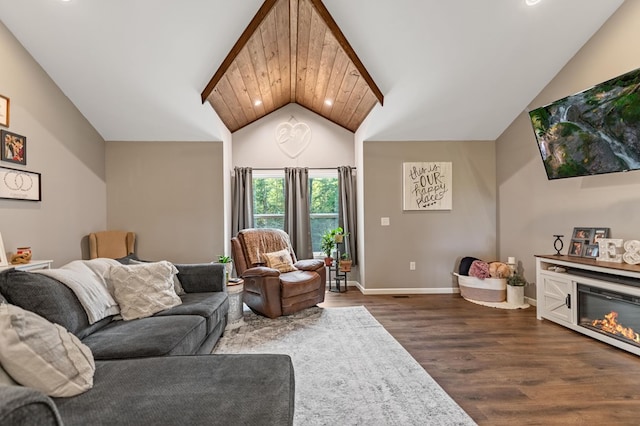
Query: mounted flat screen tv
point(592, 132)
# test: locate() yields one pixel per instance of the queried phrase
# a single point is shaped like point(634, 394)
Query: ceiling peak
point(292, 51)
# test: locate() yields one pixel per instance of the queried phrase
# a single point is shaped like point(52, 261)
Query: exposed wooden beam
point(293, 14)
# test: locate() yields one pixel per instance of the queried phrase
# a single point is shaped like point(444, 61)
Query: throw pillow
point(43, 355)
point(5, 379)
point(145, 289)
point(177, 285)
point(280, 260)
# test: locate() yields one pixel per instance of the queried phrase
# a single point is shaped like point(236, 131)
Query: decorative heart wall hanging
point(293, 139)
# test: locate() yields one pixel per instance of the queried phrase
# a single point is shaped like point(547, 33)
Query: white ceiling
point(449, 69)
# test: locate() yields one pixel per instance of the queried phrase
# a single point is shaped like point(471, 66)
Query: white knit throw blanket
point(87, 280)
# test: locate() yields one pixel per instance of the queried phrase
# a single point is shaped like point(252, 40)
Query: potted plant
point(228, 264)
point(515, 289)
point(345, 263)
point(338, 234)
point(327, 246)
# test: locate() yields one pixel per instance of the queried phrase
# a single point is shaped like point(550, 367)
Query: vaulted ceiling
point(449, 70)
point(292, 51)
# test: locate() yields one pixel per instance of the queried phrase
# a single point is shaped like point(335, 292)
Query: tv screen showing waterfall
point(592, 132)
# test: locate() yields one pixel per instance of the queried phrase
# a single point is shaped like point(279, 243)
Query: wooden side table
point(235, 316)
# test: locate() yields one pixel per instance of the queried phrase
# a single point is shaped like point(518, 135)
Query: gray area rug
point(349, 370)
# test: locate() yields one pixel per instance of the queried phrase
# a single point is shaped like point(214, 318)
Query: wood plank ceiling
point(292, 51)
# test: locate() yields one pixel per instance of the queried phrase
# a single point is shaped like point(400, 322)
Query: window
point(268, 202)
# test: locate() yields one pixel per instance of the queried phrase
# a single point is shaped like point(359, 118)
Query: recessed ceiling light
point(328, 102)
point(531, 2)
point(257, 102)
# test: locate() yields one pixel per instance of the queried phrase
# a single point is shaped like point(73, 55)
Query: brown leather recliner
point(268, 291)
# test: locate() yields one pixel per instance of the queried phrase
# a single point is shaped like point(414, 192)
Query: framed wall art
point(20, 185)
point(3, 254)
point(13, 147)
point(4, 111)
point(427, 186)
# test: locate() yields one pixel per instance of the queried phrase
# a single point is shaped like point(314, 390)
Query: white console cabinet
point(557, 290)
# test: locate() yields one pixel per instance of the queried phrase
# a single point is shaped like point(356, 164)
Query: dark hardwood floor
point(504, 367)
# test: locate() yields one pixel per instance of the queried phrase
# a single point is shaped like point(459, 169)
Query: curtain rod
point(282, 168)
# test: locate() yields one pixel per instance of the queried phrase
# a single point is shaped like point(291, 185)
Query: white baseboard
point(403, 291)
point(393, 291)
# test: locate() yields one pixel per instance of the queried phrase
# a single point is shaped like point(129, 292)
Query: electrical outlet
point(412, 266)
point(384, 221)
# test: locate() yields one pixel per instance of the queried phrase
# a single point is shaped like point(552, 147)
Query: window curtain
point(347, 209)
point(297, 217)
point(242, 208)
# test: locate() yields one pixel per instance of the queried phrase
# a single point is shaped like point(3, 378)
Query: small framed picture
point(599, 233)
point(591, 250)
point(582, 233)
point(4, 111)
point(13, 147)
point(576, 248)
point(3, 254)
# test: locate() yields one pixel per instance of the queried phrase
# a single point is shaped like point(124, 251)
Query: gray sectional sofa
point(156, 370)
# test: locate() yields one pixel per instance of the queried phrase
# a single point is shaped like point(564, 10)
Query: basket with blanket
point(483, 281)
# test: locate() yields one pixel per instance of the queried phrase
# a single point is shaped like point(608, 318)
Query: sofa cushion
point(211, 306)
point(187, 390)
point(299, 282)
point(202, 277)
point(146, 337)
point(48, 298)
point(42, 355)
point(144, 289)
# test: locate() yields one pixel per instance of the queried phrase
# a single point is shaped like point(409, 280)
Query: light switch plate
point(384, 221)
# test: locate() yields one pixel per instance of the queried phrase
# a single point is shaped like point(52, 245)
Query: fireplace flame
point(611, 325)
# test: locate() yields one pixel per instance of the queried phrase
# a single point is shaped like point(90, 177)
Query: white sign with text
point(427, 186)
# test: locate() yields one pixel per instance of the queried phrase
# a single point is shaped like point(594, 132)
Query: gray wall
point(171, 195)
point(531, 208)
point(435, 240)
point(62, 146)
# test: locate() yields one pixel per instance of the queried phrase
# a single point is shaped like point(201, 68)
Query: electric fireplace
point(612, 313)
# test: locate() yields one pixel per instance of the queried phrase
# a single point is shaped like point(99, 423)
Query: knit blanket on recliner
point(259, 241)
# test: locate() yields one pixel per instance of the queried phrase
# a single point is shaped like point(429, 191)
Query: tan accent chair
point(111, 244)
point(268, 291)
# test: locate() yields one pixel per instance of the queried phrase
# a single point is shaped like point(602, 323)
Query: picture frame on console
point(599, 233)
point(582, 233)
point(591, 251)
point(576, 248)
point(584, 241)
